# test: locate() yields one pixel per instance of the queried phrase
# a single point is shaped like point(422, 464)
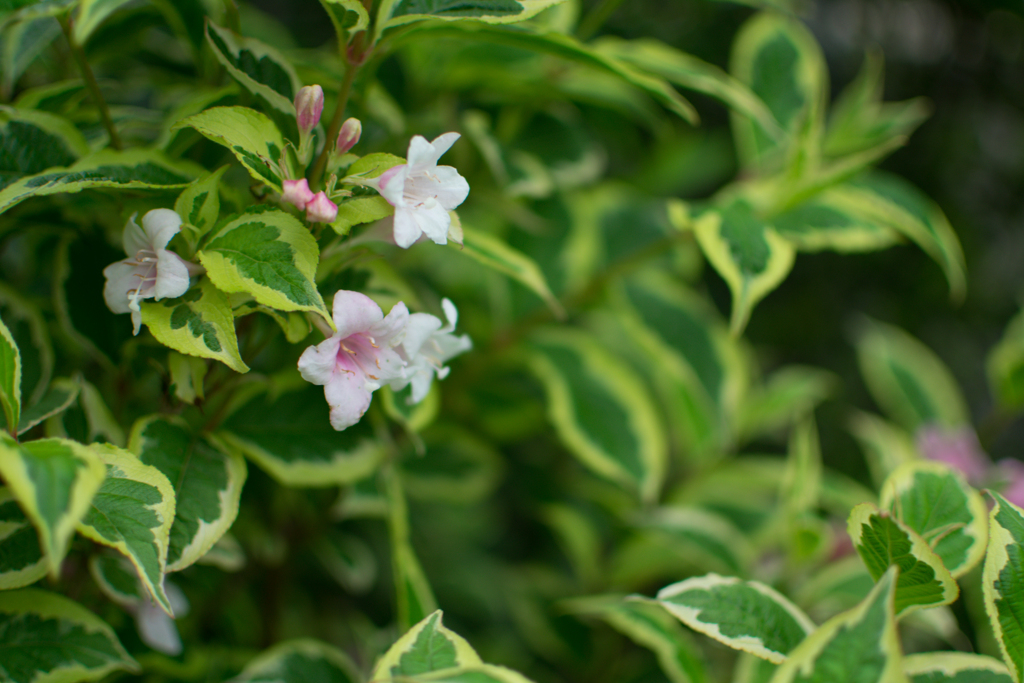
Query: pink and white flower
point(359, 358)
point(422, 192)
point(427, 347)
point(297, 193)
point(150, 271)
point(320, 209)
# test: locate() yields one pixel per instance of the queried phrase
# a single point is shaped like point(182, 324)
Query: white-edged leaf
point(300, 661)
point(54, 481)
point(1002, 581)
point(257, 67)
point(133, 512)
point(745, 615)
point(954, 667)
point(58, 398)
point(21, 556)
point(207, 476)
point(10, 378)
point(426, 647)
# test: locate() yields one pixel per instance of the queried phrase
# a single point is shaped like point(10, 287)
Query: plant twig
point(90, 81)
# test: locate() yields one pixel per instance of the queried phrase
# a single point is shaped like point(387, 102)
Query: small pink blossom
point(309, 105)
point(150, 271)
point(359, 358)
point(320, 209)
point(958, 448)
point(422, 192)
point(349, 135)
point(297, 193)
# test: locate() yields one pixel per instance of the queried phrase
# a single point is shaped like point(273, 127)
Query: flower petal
point(421, 382)
point(317, 363)
point(418, 331)
point(134, 239)
point(160, 226)
point(348, 397)
point(422, 155)
point(354, 312)
point(391, 185)
point(120, 279)
point(449, 346)
point(171, 275)
point(434, 222)
point(451, 188)
point(451, 314)
point(407, 228)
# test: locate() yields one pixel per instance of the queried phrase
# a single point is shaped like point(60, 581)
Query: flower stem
point(90, 81)
point(332, 130)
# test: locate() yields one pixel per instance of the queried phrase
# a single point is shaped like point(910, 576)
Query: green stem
point(234, 21)
point(90, 82)
point(596, 18)
point(332, 131)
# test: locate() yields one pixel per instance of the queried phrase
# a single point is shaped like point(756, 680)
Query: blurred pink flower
point(957, 447)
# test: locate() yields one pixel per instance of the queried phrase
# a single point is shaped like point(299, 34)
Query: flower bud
point(309, 104)
point(297, 193)
point(320, 209)
point(349, 135)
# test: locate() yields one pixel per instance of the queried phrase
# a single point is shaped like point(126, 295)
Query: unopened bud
point(349, 135)
point(309, 104)
point(321, 209)
point(297, 193)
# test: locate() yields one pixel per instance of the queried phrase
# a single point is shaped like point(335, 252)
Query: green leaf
point(750, 255)
point(91, 13)
point(289, 435)
point(187, 374)
point(207, 477)
point(495, 254)
point(20, 45)
point(300, 661)
point(134, 169)
point(694, 364)
point(22, 10)
point(859, 119)
point(132, 512)
point(883, 541)
point(954, 667)
point(21, 557)
point(28, 327)
point(34, 141)
point(1002, 581)
point(358, 210)
point(789, 394)
point(885, 445)
point(801, 484)
point(199, 206)
point(50, 639)
point(863, 639)
point(648, 625)
point(892, 202)
point(778, 58)
point(54, 481)
point(479, 673)
point(458, 469)
point(257, 67)
point(601, 410)
point(414, 596)
point(397, 12)
point(58, 398)
point(198, 323)
point(10, 378)
point(687, 71)
point(570, 49)
point(935, 501)
point(117, 579)
point(908, 380)
point(1005, 365)
point(745, 615)
point(252, 137)
point(349, 18)
point(426, 647)
point(269, 254)
point(706, 539)
point(833, 220)
point(348, 559)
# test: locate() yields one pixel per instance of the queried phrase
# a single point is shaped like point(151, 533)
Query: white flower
point(358, 358)
point(422, 192)
point(427, 346)
point(150, 271)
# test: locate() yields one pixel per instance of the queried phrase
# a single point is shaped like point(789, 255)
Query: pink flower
point(958, 448)
point(422, 192)
point(349, 135)
point(359, 358)
point(297, 193)
point(150, 271)
point(1013, 471)
point(427, 347)
point(320, 209)
point(309, 105)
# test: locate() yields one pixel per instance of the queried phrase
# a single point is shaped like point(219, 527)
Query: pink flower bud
point(297, 193)
point(320, 209)
point(349, 135)
point(309, 104)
